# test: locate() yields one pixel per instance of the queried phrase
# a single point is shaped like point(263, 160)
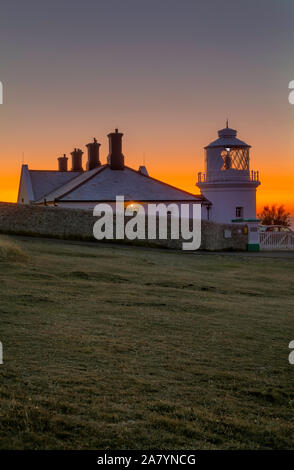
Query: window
point(239, 212)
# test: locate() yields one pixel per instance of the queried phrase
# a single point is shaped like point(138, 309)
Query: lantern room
point(227, 158)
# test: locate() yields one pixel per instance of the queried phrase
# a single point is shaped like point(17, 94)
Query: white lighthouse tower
point(228, 183)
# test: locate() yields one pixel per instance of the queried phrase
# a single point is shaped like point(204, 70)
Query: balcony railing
point(225, 175)
point(254, 176)
point(201, 177)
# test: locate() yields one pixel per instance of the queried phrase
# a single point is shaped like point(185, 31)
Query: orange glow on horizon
point(9, 187)
point(273, 190)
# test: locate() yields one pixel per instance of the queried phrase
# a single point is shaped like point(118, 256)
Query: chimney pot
point(93, 155)
point(115, 158)
point(77, 160)
point(62, 163)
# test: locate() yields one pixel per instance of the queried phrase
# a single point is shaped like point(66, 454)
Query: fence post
point(253, 235)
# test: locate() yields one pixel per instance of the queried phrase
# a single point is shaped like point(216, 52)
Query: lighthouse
point(228, 181)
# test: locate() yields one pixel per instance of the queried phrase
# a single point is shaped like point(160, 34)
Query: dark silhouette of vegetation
point(274, 216)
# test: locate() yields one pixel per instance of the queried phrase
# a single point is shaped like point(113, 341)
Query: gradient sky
point(167, 73)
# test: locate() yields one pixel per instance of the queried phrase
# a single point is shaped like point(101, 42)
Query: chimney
point(93, 155)
point(62, 163)
point(76, 155)
point(115, 158)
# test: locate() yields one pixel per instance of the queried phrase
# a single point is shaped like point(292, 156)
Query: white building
point(228, 186)
point(99, 183)
point(228, 183)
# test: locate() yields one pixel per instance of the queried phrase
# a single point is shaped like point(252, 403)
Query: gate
point(276, 241)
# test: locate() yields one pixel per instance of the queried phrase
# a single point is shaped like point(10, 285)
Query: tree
point(274, 216)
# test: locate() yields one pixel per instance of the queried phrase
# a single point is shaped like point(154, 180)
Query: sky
point(166, 73)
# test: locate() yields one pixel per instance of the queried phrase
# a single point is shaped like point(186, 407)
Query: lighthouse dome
point(227, 138)
point(227, 132)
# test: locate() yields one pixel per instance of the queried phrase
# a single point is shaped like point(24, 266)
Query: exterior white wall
point(23, 197)
point(25, 192)
point(225, 200)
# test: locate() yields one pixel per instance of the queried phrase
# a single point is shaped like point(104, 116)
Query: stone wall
point(77, 224)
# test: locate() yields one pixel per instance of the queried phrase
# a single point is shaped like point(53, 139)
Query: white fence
point(276, 241)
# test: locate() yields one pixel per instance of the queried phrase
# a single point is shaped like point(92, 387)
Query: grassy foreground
point(115, 347)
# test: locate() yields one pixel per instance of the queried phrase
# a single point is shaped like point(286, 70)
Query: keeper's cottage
point(99, 183)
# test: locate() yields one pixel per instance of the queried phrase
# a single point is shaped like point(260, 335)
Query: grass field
point(115, 347)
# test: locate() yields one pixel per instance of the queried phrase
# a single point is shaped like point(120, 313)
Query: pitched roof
point(44, 181)
point(104, 184)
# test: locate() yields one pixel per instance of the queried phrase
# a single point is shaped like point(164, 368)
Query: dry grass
point(114, 347)
point(10, 251)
